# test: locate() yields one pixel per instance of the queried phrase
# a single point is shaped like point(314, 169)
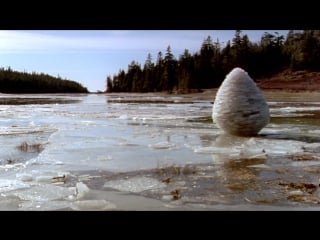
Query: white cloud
point(49, 41)
point(68, 41)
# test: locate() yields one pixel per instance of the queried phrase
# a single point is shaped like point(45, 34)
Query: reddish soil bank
point(294, 81)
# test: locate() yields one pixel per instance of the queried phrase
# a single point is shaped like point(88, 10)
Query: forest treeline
point(207, 68)
point(22, 82)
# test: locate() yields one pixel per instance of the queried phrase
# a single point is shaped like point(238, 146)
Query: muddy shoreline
point(209, 94)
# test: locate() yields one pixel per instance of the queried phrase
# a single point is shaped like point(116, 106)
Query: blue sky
point(89, 56)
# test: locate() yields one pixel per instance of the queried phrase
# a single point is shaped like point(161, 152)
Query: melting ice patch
point(9, 185)
point(44, 192)
point(162, 145)
point(92, 205)
point(135, 184)
point(292, 111)
point(247, 147)
point(45, 205)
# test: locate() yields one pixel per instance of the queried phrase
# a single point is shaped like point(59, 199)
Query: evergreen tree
point(148, 75)
point(204, 66)
point(159, 68)
point(186, 71)
point(169, 81)
point(109, 84)
point(310, 51)
point(21, 82)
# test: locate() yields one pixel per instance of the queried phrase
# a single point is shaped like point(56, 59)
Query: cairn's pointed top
point(238, 74)
point(237, 69)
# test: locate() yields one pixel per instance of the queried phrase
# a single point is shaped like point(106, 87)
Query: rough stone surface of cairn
point(240, 107)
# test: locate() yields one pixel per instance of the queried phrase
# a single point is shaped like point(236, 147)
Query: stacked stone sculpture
point(240, 107)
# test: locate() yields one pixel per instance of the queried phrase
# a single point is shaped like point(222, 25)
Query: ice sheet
point(126, 134)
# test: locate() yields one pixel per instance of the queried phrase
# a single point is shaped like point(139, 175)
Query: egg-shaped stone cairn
point(240, 107)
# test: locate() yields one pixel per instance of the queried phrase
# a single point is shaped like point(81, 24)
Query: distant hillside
point(21, 82)
point(291, 80)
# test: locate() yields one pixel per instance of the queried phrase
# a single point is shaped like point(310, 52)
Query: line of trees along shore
point(274, 53)
point(22, 82)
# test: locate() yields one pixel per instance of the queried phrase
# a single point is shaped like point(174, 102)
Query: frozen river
point(153, 152)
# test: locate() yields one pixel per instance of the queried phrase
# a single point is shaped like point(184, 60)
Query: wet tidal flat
point(155, 152)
